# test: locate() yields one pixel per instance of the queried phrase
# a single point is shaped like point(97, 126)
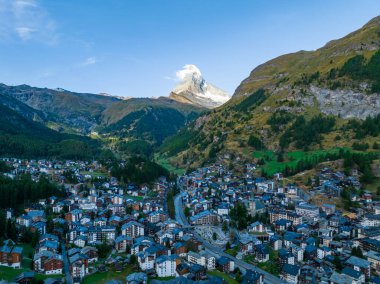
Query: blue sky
point(134, 47)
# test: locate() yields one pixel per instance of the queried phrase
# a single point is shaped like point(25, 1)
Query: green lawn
point(95, 174)
point(163, 162)
point(136, 198)
point(161, 278)
point(9, 274)
point(27, 250)
point(272, 166)
point(264, 155)
point(232, 252)
point(249, 258)
point(27, 263)
point(103, 277)
point(224, 276)
point(271, 266)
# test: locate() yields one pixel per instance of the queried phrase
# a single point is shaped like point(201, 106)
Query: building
point(48, 262)
point(122, 242)
point(225, 264)
point(132, 229)
point(261, 253)
point(307, 210)
point(205, 218)
point(10, 255)
point(78, 266)
point(290, 273)
point(137, 278)
point(361, 265)
point(275, 215)
point(204, 260)
point(374, 258)
point(166, 266)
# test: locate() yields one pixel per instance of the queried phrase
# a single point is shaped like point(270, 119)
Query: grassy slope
point(277, 76)
point(9, 274)
point(272, 166)
point(104, 277)
point(121, 109)
point(224, 276)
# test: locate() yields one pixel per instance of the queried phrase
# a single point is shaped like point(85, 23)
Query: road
point(69, 279)
point(181, 219)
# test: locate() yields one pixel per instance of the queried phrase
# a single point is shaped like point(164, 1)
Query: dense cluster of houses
point(306, 240)
point(131, 219)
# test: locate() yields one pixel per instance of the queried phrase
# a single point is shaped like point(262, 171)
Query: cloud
point(25, 33)
point(187, 71)
point(26, 20)
point(90, 61)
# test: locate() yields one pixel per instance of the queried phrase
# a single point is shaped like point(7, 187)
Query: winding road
point(181, 219)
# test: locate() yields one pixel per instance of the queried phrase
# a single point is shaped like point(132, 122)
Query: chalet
point(91, 253)
point(48, 262)
point(261, 253)
point(10, 255)
point(78, 265)
point(225, 264)
point(122, 242)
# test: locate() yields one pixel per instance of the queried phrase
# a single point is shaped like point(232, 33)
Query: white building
point(132, 229)
point(202, 259)
point(307, 210)
point(166, 266)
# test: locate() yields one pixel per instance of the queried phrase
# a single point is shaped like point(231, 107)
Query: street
point(66, 269)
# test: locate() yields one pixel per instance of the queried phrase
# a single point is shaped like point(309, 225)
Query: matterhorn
point(193, 89)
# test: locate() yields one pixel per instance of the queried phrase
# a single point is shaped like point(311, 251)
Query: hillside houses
point(308, 237)
point(283, 227)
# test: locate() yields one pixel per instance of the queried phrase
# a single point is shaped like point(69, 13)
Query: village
point(226, 228)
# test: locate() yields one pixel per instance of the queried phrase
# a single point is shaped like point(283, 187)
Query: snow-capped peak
point(189, 71)
point(195, 90)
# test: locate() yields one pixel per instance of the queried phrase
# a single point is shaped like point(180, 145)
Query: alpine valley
point(306, 101)
point(275, 182)
point(309, 102)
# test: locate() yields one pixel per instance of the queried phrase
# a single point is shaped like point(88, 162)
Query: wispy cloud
point(187, 70)
point(90, 61)
point(26, 20)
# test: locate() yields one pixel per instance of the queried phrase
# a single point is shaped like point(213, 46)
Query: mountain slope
point(80, 112)
point(193, 89)
point(149, 119)
point(119, 119)
point(290, 94)
point(21, 137)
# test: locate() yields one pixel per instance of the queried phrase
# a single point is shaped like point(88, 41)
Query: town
point(211, 225)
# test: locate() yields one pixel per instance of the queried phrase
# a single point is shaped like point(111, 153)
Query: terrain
point(114, 122)
point(304, 101)
point(193, 89)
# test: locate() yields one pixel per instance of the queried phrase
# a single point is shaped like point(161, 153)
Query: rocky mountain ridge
point(193, 89)
point(291, 92)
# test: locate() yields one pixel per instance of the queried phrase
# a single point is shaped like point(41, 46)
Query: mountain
point(23, 137)
point(152, 120)
point(307, 100)
point(193, 89)
point(78, 112)
point(148, 119)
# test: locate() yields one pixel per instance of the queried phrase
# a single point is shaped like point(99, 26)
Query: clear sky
point(134, 47)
